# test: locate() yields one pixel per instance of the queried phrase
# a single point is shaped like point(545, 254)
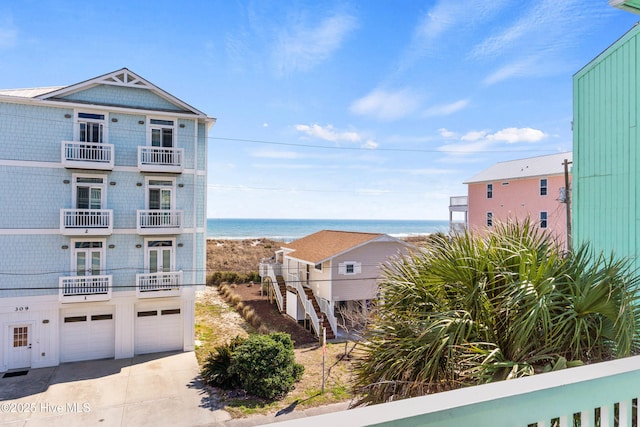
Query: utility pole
point(567, 200)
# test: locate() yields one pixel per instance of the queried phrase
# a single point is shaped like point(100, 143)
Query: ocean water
point(290, 229)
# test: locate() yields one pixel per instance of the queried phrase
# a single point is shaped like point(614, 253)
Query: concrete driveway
point(150, 390)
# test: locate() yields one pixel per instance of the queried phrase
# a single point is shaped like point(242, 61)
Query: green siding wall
point(605, 153)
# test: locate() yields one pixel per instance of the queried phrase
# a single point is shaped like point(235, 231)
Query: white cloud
point(274, 154)
point(483, 140)
point(539, 39)
point(538, 27)
point(444, 17)
point(519, 68)
point(468, 148)
point(328, 133)
point(474, 135)
point(445, 133)
point(446, 109)
point(386, 105)
point(371, 144)
point(300, 48)
point(514, 135)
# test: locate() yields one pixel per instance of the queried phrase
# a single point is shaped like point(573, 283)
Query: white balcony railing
point(87, 155)
point(159, 222)
point(84, 288)
point(95, 222)
point(163, 284)
point(458, 201)
point(160, 159)
point(603, 394)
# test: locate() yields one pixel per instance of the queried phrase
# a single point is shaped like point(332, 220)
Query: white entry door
point(19, 346)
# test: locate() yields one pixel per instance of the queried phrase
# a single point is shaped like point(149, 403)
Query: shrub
point(265, 365)
point(215, 370)
point(474, 309)
point(231, 277)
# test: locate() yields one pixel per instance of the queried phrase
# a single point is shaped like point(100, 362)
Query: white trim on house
point(124, 78)
point(58, 165)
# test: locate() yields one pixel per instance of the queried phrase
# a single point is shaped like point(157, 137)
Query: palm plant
point(473, 309)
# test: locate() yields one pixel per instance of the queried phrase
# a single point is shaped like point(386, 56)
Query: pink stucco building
point(533, 187)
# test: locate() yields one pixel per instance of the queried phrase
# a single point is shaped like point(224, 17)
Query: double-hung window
point(489, 191)
point(543, 187)
point(349, 268)
point(489, 219)
point(543, 219)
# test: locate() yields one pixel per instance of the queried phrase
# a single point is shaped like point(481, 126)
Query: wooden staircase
point(316, 307)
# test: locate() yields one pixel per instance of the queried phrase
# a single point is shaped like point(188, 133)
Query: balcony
point(84, 288)
point(87, 155)
point(86, 222)
point(459, 203)
point(154, 285)
point(160, 159)
point(159, 222)
point(602, 394)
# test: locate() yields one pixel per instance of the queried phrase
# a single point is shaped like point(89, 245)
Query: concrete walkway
point(151, 390)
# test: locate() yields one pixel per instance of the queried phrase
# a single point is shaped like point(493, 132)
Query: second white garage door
point(87, 334)
point(158, 329)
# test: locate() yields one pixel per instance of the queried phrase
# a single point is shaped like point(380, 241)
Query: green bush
point(263, 365)
point(215, 370)
point(219, 277)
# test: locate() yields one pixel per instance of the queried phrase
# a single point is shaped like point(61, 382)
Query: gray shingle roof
point(523, 168)
point(29, 92)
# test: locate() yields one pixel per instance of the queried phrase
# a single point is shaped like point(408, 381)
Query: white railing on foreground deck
point(611, 387)
point(309, 309)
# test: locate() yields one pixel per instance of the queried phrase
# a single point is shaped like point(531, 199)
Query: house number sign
point(22, 308)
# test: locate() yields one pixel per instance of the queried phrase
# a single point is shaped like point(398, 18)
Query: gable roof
point(326, 244)
point(524, 168)
point(122, 77)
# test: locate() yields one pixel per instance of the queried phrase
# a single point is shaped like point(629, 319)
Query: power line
point(187, 134)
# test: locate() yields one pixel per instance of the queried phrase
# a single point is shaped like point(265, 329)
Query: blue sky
point(374, 109)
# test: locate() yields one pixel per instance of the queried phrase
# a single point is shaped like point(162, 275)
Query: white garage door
point(87, 334)
point(158, 329)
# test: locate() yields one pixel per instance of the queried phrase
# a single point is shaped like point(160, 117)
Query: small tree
point(265, 365)
point(354, 318)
